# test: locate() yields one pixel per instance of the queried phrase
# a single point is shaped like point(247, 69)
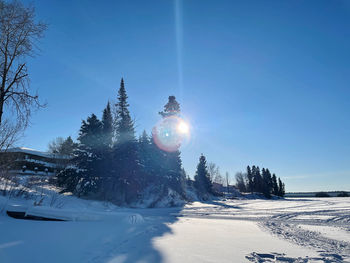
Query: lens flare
point(183, 127)
point(170, 133)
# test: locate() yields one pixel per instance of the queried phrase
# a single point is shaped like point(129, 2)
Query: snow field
point(292, 230)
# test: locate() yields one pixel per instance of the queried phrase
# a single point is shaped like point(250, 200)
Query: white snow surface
point(291, 230)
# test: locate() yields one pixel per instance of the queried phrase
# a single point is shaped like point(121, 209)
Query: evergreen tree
point(68, 146)
point(124, 130)
point(274, 185)
point(269, 180)
point(144, 148)
point(202, 178)
point(281, 190)
point(257, 179)
point(106, 190)
point(250, 180)
point(265, 183)
point(89, 155)
point(157, 161)
point(126, 182)
point(145, 155)
point(107, 126)
point(171, 168)
point(176, 180)
point(62, 146)
point(84, 179)
point(171, 108)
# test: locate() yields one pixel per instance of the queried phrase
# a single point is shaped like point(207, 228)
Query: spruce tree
point(269, 181)
point(124, 130)
point(257, 179)
point(106, 190)
point(172, 168)
point(274, 185)
point(250, 179)
point(157, 167)
point(107, 126)
point(68, 146)
point(281, 190)
point(89, 155)
point(127, 183)
point(145, 155)
point(172, 108)
point(265, 183)
point(85, 180)
point(202, 178)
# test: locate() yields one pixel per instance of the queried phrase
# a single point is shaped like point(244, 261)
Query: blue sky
point(261, 82)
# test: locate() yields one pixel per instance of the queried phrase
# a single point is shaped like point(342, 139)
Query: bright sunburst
point(183, 127)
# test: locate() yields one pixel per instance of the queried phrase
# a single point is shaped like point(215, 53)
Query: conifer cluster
point(262, 181)
point(110, 163)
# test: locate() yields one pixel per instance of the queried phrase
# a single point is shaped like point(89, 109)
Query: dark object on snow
point(22, 215)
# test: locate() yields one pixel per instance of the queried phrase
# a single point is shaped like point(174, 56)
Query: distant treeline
point(262, 181)
point(320, 194)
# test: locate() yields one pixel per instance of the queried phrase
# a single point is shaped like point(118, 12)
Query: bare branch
point(19, 33)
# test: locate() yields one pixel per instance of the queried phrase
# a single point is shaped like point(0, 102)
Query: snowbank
point(74, 210)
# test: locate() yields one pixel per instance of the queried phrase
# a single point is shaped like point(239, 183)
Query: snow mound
point(158, 197)
point(73, 211)
point(84, 215)
point(80, 215)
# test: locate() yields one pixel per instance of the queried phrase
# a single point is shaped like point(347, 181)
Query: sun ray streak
point(179, 44)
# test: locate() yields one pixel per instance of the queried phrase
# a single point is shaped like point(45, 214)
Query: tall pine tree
point(145, 155)
point(202, 178)
point(274, 185)
point(125, 155)
point(250, 185)
point(172, 169)
point(281, 188)
point(107, 126)
point(106, 191)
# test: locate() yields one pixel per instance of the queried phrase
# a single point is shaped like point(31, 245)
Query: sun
point(183, 127)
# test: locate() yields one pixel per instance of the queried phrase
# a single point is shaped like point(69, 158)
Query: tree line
point(110, 163)
point(262, 181)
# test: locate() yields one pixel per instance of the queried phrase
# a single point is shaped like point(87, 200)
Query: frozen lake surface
point(291, 230)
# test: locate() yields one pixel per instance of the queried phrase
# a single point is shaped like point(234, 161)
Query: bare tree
point(8, 134)
point(218, 177)
point(55, 145)
point(19, 35)
point(213, 171)
point(241, 181)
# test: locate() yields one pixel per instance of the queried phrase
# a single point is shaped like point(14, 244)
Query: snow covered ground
point(291, 230)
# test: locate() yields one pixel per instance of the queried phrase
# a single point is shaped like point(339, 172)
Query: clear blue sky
point(262, 82)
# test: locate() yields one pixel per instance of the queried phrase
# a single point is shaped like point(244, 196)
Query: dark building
point(24, 161)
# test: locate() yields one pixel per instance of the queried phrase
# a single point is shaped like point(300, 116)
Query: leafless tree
point(241, 181)
point(213, 171)
point(218, 177)
point(55, 145)
point(19, 35)
point(9, 134)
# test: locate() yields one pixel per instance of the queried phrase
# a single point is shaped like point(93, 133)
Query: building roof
point(37, 153)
